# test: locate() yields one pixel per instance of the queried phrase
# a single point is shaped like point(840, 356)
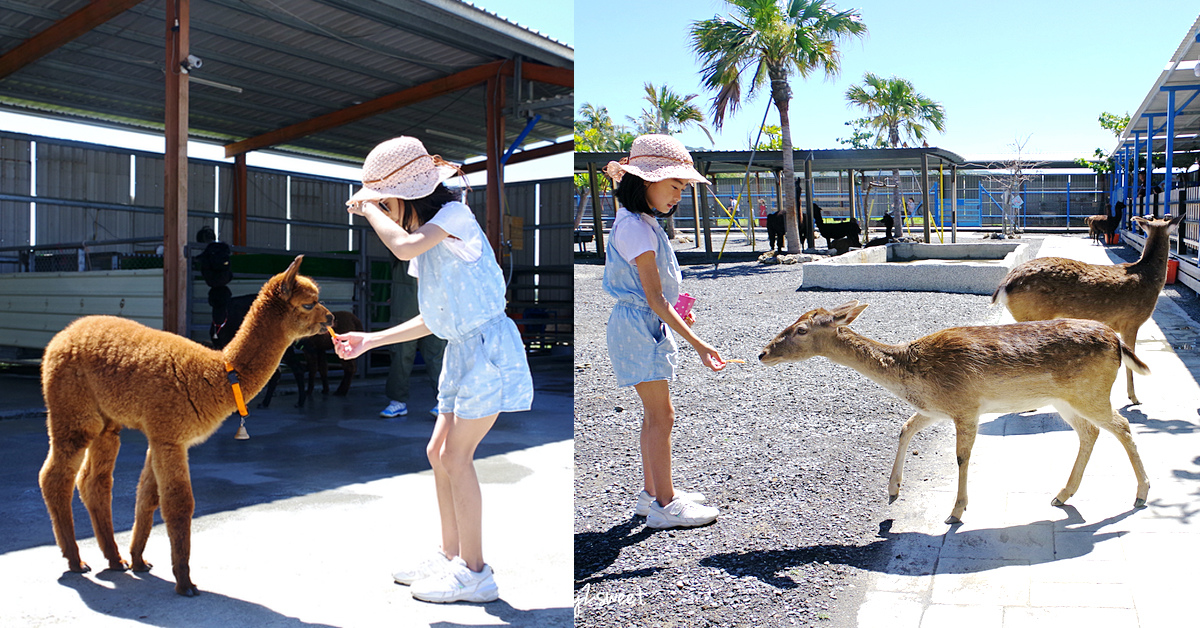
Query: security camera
point(192, 63)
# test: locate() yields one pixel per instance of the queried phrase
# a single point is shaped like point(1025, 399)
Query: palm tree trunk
point(583, 198)
point(790, 202)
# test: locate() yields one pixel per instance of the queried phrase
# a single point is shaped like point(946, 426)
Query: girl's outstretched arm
point(652, 285)
point(400, 242)
point(352, 344)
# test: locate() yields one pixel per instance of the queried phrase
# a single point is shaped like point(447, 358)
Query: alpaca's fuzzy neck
point(258, 346)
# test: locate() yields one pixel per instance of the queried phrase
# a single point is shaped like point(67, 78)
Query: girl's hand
point(709, 357)
point(690, 319)
point(354, 208)
point(351, 344)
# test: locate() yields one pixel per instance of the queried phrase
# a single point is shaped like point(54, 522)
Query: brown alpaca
point(103, 373)
point(1122, 296)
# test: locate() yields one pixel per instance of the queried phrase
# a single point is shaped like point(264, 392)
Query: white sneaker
point(422, 567)
point(394, 409)
point(457, 584)
point(680, 514)
point(643, 501)
point(434, 411)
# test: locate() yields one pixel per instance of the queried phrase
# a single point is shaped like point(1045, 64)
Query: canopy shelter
point(806, 161)
point(325, 79)
point(1167, 122)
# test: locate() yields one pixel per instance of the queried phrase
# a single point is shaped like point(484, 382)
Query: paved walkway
point(302, 524)
point(1018, 561)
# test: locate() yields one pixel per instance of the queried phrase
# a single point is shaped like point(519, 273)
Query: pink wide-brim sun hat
point(655, 158)
point(401, 167)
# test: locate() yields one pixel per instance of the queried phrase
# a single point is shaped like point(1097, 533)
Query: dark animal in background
point(316, 347)
point(235, 313)
point(835, 230)
point(887, 222)
point(776, 229)
point(1101, 227)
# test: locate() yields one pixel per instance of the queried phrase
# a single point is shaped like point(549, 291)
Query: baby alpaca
point(963, 372)
point(103, 373)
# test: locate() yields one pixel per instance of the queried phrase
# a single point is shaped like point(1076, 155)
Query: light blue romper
point(484, 370)
point(640, 346)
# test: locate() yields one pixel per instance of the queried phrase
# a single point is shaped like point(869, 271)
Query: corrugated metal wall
point(14, 179)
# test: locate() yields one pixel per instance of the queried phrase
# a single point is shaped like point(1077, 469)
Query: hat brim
point(686, 173)
point(417, 187)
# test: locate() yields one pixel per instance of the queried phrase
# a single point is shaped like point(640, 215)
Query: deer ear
point(845, 313)
point(1140, 221)
point(1178, 219)
point(287, 280)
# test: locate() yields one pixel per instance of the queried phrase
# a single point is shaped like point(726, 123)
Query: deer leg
point(1129, 337)
point(143, 520)
point(1087, 433)
point(1119, 428)
point(95, 483)
point(914, 424)
point(964, 435)
point(175, 498)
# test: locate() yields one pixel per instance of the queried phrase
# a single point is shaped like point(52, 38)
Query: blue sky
point(553, 18)
point(1005, 71)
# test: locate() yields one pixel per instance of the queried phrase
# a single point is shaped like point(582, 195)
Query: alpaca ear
point(287, 280)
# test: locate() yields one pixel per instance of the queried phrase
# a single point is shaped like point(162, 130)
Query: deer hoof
point(1139, 503)
point(893, 498)
point(1056, 502)
point(952, 520)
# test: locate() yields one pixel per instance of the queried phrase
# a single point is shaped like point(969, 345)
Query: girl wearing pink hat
point(642, 273)
point(461, 296)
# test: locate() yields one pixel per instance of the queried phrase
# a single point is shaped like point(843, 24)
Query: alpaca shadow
point(510, 616)
point(146, 598)
point(596, 551)
point(910, 553)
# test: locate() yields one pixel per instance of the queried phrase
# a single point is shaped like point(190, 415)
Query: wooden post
point(597, 208)
point(175, 201)
point(854, 205)
point(495, 172)
point(696, 215)
point(704, 211)
point(808, 202)
point(239, 191)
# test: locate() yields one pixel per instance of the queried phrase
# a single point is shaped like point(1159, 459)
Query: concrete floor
point(303, 523)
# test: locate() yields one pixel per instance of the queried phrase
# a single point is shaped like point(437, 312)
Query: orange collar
point(237, 389)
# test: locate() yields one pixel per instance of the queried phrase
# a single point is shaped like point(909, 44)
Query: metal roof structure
point(1176, 89)
point(345, 68)
point(731, 161)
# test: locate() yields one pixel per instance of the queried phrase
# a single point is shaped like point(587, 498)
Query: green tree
point(860, 137)
point(1102, 162)
point(774, 139)
point(765, 43)
point(595, 131)
point(669, 113)
point(896, 112)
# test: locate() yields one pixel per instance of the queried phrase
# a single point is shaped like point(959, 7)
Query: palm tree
point(896, 112)
point(669, 113)
point(769, 41)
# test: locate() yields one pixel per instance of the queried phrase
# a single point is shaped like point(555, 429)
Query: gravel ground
point(796, 457)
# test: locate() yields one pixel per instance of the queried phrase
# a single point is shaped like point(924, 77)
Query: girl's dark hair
point(427, 207)
point(631, 193)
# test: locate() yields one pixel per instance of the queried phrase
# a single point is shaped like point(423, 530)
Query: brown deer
point(103, 373)
point(1121, 296)
point(963, 372)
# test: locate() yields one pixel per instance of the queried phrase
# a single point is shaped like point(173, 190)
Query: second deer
point(1122, 296)
point(960, 373)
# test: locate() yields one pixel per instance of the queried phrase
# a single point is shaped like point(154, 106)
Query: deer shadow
point(913, 553)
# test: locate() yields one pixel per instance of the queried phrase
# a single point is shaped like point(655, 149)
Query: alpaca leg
point(914, 424)
point(1087, 433)
point(1119, 427)
point(57, 481)
point(143, 520)
point(1129, 337)
point(323, 367)
point(175, 498)
point(95, 490)
point(348, 370)
point(964, 433)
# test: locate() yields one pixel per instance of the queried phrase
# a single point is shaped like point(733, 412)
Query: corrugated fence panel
point(318, 201)
point(149, 183)
point(14, 179)
point(267, 198)
point(35, 306)
point(73, 172)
